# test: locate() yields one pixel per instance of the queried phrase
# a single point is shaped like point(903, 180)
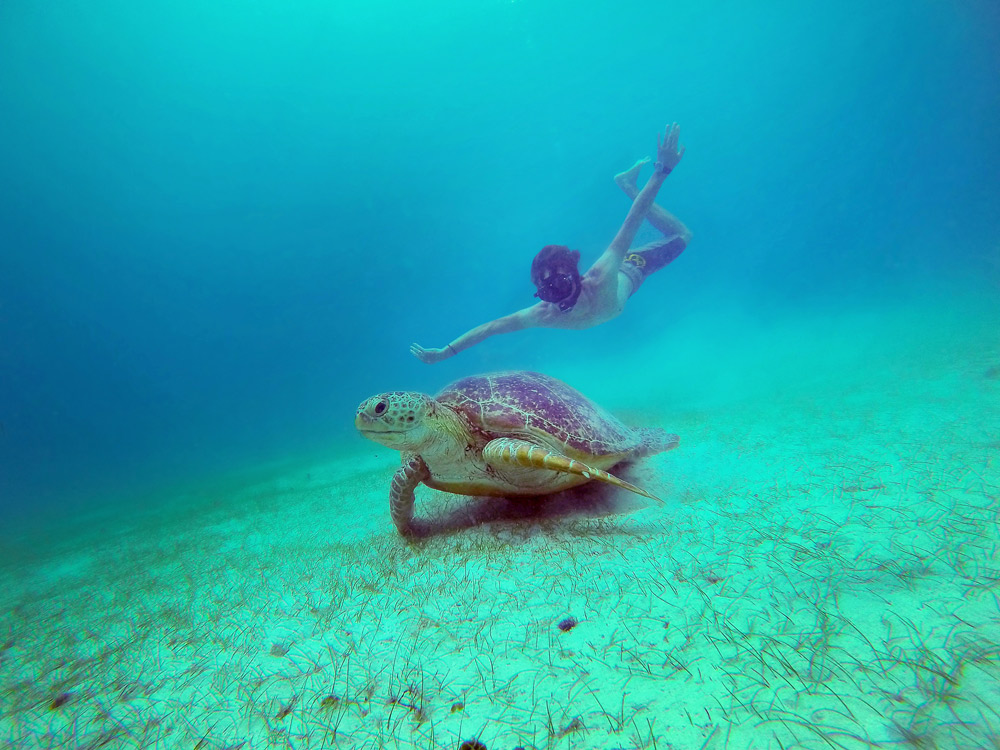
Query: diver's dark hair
point(554, 258)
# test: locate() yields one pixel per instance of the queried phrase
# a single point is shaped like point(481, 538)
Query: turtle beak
point(378, 420)
point(392, 419)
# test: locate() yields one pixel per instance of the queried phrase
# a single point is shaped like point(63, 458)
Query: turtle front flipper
point(515, 452)
point(401, 498)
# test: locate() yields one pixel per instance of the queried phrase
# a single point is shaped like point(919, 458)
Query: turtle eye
point(380, 408)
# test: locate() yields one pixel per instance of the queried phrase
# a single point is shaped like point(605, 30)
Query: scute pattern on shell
point(507, 402)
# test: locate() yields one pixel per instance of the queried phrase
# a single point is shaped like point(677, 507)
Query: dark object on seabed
point(472, 745)
point(568, 624)
point(60, 700)
point(280, 649)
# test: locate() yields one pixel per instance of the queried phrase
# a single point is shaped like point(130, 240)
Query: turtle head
point(402, 420)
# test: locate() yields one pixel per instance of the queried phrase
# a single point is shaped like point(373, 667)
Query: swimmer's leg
point(641, 263)
point(628, 180)
point(664, 221)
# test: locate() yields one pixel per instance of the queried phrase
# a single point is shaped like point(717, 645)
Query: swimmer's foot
point(629, 179)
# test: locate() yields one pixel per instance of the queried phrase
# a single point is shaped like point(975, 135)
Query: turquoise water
point(222, 224)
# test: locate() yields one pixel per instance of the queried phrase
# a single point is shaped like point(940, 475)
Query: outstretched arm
point(668, 155)
point(526, 318)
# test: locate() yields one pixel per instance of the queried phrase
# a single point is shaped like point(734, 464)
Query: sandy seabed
point(824, 573)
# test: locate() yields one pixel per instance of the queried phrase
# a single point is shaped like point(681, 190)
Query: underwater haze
point(223, 223)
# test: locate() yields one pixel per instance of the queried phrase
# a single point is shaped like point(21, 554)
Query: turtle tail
point(653, 440)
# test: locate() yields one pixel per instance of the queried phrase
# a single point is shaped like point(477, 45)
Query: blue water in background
point(222, 223)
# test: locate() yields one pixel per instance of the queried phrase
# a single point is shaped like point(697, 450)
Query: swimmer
point(569, 300)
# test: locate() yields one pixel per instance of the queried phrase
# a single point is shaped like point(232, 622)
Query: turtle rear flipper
point(516, 452)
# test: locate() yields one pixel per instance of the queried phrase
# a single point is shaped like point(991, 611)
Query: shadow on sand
point(591, 500)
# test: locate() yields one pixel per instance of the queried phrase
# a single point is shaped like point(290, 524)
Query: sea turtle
point(505, 433)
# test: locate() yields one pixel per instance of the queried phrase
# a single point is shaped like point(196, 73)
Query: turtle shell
point(522, 403)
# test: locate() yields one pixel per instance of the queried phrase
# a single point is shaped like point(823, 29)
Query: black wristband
point(453, 351)
point(659, 169)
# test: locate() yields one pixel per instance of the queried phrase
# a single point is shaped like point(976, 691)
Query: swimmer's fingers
point(664, 146)
point(669, 153)
point(427, 356)
point(672, 136)
point(666, 139)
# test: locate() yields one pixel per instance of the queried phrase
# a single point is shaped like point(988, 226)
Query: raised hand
point(429, 356)
point(669, 153)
